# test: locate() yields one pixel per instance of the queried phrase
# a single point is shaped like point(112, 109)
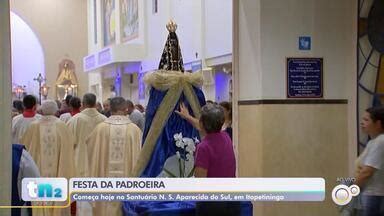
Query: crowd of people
point(82, 138)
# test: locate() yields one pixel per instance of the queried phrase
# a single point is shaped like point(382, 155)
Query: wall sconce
point(19, 90)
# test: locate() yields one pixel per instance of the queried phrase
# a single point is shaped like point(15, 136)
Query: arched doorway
point(27, 56)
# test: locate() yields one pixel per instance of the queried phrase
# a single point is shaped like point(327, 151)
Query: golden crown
point(171, 26)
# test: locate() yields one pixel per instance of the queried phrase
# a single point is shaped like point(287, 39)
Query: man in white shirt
point(21, 122)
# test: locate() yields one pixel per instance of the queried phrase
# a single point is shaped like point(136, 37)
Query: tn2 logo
point(43, 190)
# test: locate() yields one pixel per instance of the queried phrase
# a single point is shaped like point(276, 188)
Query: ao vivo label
point(44, 189)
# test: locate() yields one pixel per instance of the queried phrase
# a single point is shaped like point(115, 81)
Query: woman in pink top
point(214, 157)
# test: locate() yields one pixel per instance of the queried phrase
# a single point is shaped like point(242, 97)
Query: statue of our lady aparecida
point(165, 131)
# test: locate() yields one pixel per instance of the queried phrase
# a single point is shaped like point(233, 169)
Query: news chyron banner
point(174, 189)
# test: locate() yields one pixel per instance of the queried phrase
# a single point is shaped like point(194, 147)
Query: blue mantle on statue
point(165, 145)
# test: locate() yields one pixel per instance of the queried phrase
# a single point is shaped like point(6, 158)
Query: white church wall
point(266, 46)
point(218, 27)
point(95, 80)
point(330, 25)
point(188, 16)
point(61, 27)
point(156, 33)
point(249, 71)
point(94, 24)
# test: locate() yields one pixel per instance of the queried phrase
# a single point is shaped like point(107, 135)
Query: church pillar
point(5, 107)
point(277, 136)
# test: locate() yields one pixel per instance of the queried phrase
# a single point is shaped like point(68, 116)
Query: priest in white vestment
point(21, 122)
point(81, 126)
point(113, 148)
point(51, 146)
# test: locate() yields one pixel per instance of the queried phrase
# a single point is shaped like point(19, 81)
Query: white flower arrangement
point(186, 148)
